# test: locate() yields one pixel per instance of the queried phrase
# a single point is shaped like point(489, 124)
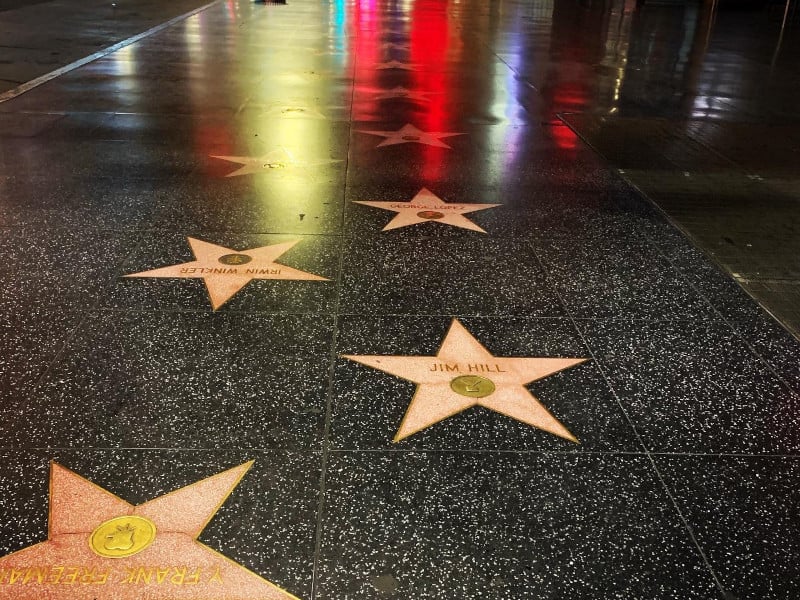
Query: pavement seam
point(34, 83)
point(646, 450)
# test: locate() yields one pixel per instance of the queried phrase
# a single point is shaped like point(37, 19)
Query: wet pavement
point(38, 37)
point(325, 301)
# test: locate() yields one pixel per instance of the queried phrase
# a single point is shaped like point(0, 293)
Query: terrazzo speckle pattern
point(754, 501)
point(504, 526)
point(682, 395)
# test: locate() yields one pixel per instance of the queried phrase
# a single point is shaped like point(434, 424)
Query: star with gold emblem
point(226, 271)
point(403, 93)
point(464, 374)
point(274, 160)
point(408, 134)
point(395, 64)
point(427, 206)
point(100, 546)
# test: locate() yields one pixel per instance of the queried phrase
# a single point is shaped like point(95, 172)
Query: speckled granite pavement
point(255, 343)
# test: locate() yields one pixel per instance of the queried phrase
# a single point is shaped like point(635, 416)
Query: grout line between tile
point(34, 83)
point(326, 447)
point(646, 450)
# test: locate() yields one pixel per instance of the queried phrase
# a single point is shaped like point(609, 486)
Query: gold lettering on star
point(427, 206)
point(134, 552)
point(222, 271)
point(464, 374)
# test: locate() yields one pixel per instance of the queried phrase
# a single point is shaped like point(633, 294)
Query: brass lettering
point(179, 576)
point(103, 578)
point(193, 578)
point(485, 368)
point(72, 575)
point(446, 368)
point(57, 572)
point(263, 272)
point(161, 575)
point(144, 575)
point(16, 575)
point(37, 572)
point(216, 577)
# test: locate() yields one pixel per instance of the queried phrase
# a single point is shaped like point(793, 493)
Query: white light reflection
point(125, 61)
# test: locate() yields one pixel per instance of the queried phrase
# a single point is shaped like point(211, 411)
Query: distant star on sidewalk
point(427, 206)
point(408, 134)
point(279, 158)
point(464, 374)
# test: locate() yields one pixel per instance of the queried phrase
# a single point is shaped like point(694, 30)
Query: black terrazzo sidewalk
point(684, 482)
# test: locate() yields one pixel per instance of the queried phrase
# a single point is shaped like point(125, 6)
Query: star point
point(426, 206)
point(277, 159)
point(464, 374)
point(226, 271)
point(410, 134)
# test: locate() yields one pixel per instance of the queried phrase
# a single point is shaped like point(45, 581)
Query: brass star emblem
point(427, 206)
point(226, 271)
point(409, 134)
point(100, 546)
point(464, 374)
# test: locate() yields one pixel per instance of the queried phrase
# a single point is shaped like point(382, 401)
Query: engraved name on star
point(280, 158)
point(464, 374)
point(226, 271)
point(427, 206)
point(100, 546)
point(409, 134)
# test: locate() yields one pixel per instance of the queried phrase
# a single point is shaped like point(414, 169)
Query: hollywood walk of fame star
point(395, 64)
point(100, 546)
point(427, 206)
point(409, 134)
point(226, 271)
point(280, 158)
point(403, 93)
point(464, 374)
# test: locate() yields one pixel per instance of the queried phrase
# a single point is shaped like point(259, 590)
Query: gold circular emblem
point(411, 138)
point(235, 259)
point(472, 386)
point(430, 214)
point(121, 537)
